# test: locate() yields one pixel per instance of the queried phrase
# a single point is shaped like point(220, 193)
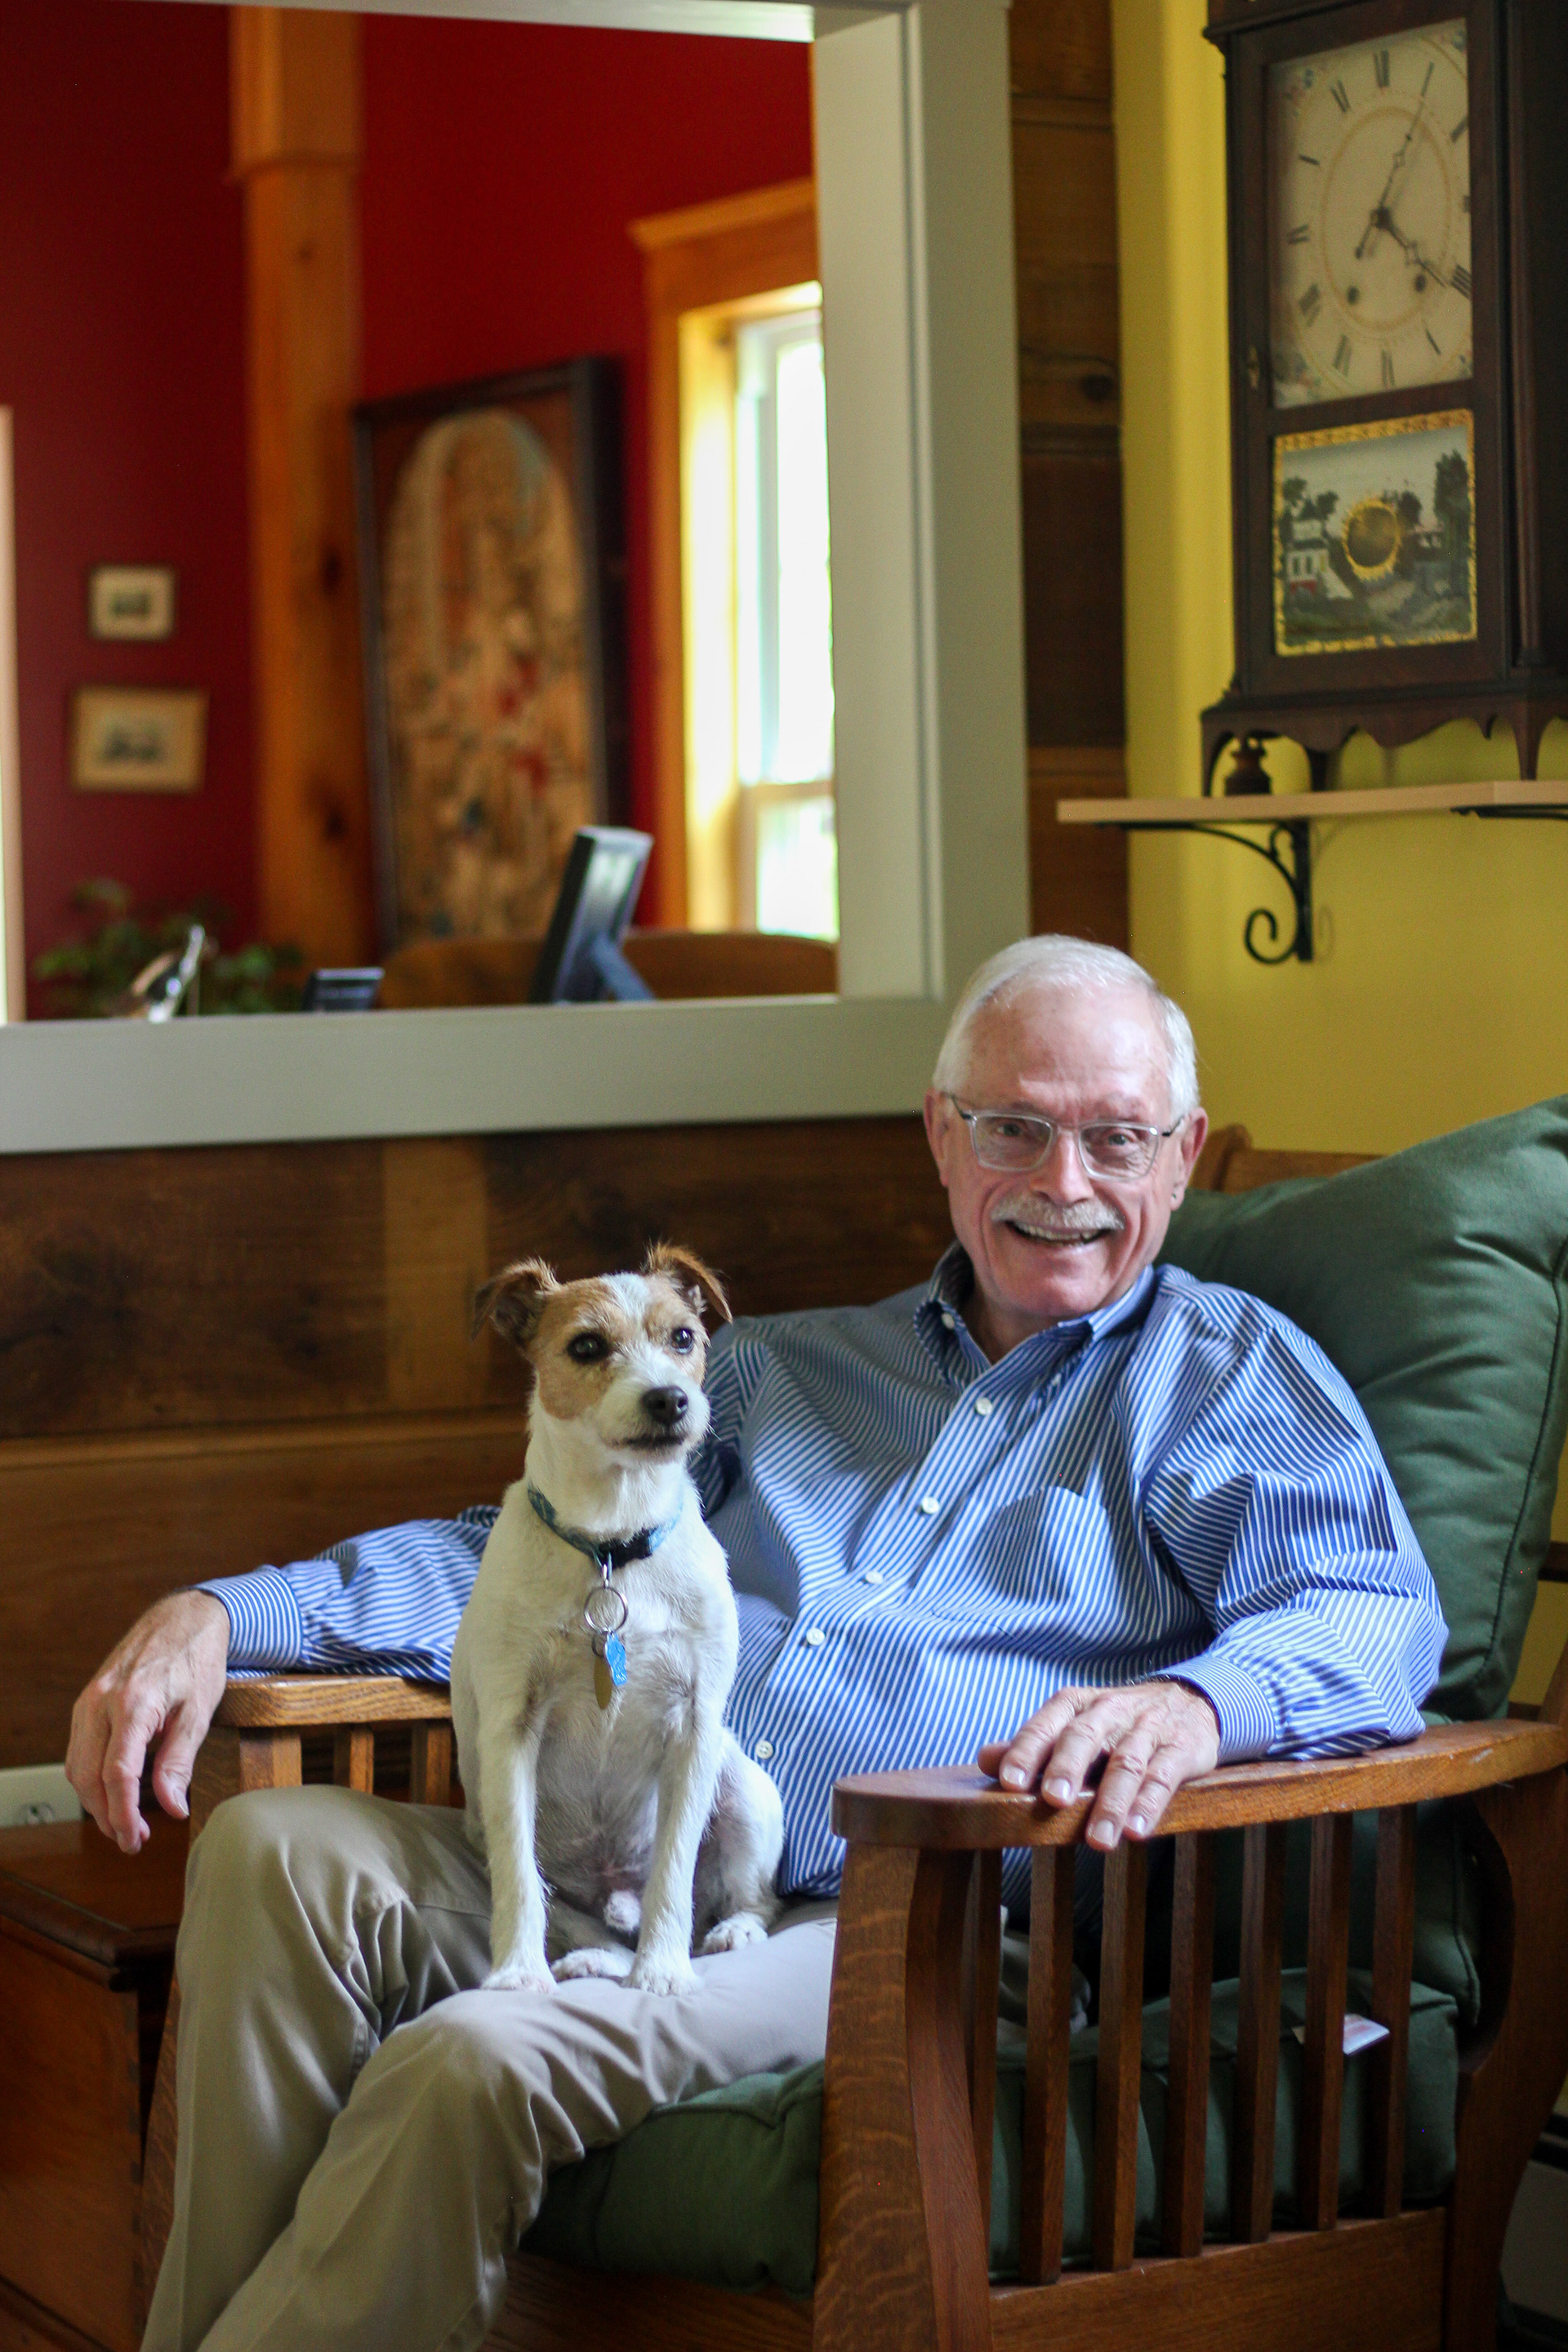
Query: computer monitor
point(580, 960)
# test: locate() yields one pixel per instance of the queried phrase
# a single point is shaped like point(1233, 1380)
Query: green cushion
point(1434, 1281)
point(723, 2188)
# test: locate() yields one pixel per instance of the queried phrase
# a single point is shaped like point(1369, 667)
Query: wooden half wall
point(218, 1356)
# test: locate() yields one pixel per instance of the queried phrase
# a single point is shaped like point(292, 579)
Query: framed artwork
point(492, 566)
point(1375, 535)
point(133, 600)
point(138, 738)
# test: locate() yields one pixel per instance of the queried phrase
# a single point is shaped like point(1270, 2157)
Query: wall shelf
point(1287, 820)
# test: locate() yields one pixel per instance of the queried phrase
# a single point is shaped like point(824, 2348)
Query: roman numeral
point(1341, 96)
point(1309, 158)
point(1459, 130)
point(1310, 303)
point(1388, 369)
point(1299, 235)
point(1464, 201)
point(1427, 83)
point(1436, 346)
point(1380, 67)
point(1342, 357)
point(1461, 280)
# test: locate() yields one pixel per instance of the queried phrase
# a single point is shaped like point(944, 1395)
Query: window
point(787, 877)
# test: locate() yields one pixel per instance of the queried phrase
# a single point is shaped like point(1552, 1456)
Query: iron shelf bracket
point(1289, 850)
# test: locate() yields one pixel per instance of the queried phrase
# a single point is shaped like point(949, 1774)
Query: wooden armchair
point(909, 2082)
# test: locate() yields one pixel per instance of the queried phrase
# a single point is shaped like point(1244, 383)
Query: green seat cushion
point(723, 2188)
point(1434, 1281)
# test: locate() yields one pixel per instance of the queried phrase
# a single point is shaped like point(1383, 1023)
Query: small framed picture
point(131, 600)
point(138, 738)
point(1375, 535)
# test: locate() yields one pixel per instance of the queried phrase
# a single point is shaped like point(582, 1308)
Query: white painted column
point(915, 219)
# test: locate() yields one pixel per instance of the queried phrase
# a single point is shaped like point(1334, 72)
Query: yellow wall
point(1441, 991)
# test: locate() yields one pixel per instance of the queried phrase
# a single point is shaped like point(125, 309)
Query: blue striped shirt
point(925, 1545)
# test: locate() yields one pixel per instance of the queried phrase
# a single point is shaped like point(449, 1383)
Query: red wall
point(122, 356)
point(502, 164)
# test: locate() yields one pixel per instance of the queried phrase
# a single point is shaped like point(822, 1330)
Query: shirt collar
point(951, 1285)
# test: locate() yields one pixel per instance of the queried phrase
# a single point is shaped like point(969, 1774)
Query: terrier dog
point(595, 1658)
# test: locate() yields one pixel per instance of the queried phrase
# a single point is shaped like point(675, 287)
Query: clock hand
point(1380, 217)
point(1412, 252)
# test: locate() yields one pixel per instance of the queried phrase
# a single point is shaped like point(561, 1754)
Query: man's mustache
point(1057, 1221)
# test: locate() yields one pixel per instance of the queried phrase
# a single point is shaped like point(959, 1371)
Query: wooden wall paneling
point(296, 138)
point(719, 252)
point(1064, 181)
point(216, 1358)
point(1078, 873)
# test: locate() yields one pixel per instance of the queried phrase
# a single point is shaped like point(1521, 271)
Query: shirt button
point(931, 1505)
point(814, 1637)
point(763, 1750)
point(950, 1322)
point(982, 1405)
point(872, 1576)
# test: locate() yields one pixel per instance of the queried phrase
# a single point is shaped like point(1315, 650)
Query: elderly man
point(1059, 1506)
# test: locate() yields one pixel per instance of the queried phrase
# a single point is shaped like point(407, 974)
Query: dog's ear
point(514, 1300)
point(697, 1283)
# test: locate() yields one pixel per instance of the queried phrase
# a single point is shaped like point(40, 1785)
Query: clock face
point(1370, 217)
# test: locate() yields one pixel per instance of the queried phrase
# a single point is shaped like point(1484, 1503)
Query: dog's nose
point(665, 1406)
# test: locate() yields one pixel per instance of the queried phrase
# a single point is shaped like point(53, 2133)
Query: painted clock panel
point(1370, 217)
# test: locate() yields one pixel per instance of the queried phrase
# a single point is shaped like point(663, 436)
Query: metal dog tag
point(615, 1659)
point(604, 1682)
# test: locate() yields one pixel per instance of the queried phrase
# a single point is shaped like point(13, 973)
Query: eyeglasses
point(1112, 1149)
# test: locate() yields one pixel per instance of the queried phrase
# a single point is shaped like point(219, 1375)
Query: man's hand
point(157, 1688)
point(1153, 1735)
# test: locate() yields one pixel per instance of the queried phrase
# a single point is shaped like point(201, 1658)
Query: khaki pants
point(363, 2135)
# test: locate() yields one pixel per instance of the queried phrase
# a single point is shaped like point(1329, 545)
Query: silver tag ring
point(597, 1617)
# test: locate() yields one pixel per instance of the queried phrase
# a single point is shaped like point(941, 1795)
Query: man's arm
point(381, 1603)
point(1279, 1516)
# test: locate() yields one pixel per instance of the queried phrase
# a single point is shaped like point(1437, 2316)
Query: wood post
point(296, 146)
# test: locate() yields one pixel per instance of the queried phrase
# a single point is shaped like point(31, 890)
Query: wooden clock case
point(1516, 665)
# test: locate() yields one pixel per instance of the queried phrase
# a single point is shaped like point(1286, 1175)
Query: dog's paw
point(592, 1960)
point(730, 1935)
point(623, 1912)
point(517, 1977)
point(661, 1972)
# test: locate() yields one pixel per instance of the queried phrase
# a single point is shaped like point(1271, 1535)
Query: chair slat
point(1040, 2219)
point(1120, 2057)
point(1257, 2035)
point(354, 1757)
point(1392, 1959)
point(1323, 2059)
point(431, 1764)
point(983, 1970)
point(1191, 1987)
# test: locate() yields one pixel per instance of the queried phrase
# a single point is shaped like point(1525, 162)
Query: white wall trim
point(914, 191)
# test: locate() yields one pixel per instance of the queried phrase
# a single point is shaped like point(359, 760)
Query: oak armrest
point(318, 1702)
point(963, 1810)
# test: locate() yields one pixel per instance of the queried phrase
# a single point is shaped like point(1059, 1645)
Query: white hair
point(1052, 960)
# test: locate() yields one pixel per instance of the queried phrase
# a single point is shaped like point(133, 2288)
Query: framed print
point(1375, 535)
point(133, 600)
point(138, 738)
point(492, 569)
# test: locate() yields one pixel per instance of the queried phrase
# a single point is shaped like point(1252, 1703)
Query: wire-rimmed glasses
point(1118, 1150)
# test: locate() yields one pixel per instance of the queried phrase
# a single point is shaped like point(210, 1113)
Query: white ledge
point(102, 1085)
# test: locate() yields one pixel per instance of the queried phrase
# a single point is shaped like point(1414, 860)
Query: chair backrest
point(675, 964)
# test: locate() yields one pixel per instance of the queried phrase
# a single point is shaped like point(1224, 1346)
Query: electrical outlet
point(37, 1792)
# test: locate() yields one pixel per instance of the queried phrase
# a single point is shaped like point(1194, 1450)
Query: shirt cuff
point(265, 1624)
point(1246, 1717)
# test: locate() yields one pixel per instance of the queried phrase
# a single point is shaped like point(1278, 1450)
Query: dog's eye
point(683, 1341)
point(587, 1347)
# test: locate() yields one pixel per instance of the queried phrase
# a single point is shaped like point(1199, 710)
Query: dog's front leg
point(686, 1784)
point(509, 1768)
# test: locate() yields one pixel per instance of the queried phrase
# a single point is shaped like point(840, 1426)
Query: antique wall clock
point(1398, 229)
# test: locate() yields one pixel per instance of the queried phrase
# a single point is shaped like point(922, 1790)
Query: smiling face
point(1057, 1242)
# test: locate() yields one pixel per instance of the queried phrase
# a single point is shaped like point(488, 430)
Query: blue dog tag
point(615, 1659)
